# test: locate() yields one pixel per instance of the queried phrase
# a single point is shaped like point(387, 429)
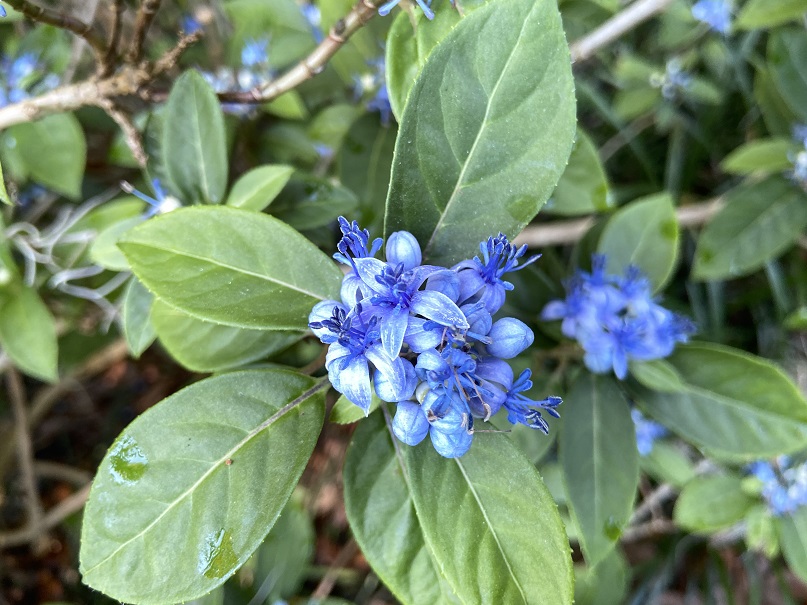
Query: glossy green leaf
point(759, 222)
point(758, 14)
point(203, 346)
point(28, 332)
point(41, 146)
point(583, 186)
point(345, 411)
point(657, 375)
point(600, 462)
point(194, 141)
point(793, 540)
point(486, 131)
point(734, 404)
point(3, 193)
point(233, 267)
point(259, 187)
point(191, 488)
point(712, 503)
point(787, 60)
point(135, 315)
point(309, 202)
point(382, 516)
point(643, 233)
point(769, 155)
point(490, 523)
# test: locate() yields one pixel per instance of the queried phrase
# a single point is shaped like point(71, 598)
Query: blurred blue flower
point(22, 77)
point(411, 332)
point(2, 12)
point(314, 18)
point(714, 13)
point(375, 83)
point(425, 6)
point(254, 72)
point(190, 25)
point(799, 158)
point(647, 432)
point(784, 484)
point(616, 319)
point(673, 82)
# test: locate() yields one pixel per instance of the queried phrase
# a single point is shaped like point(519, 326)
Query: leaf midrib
point(216, 464)
point(478, 137)
point(224, 265)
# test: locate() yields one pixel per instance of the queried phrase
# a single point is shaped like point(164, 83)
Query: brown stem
point(114, 40)
point(145, 16)
point(88, 31)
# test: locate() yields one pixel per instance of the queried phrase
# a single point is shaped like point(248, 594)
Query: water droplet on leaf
point(217, 558)
point(127, 462)
point(612, 530)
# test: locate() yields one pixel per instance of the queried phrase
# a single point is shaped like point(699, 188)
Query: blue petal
point(353, 381)
point(396, 392)
point(495, 370)
point(410, 425)
point(393, 370)
point(368, 269)
point(393, 329)
point(439, 308)
point(446, 282)
point(420, 340)
point(450, 445)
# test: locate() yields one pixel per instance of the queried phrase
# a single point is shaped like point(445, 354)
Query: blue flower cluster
point(253, 72)
point(673, 82)
point(616, 319)
point(424, 337)
point(714, 13)
point(647, 432)
point(22, 77)
point(784, 485)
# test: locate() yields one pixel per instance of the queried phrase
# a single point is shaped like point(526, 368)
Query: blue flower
point(21, 77)
point(162, 204)
point(616, 319)
point(647, 432)
point(673, 82)
point(253, 72)
point(190, 25)
point(255, 52)
point(784, 484)
point(424, 5)
point(714, 13)
point(2, 12)
point(375, 83)
point(424, 341)
point(314, 18)
point(799, 158)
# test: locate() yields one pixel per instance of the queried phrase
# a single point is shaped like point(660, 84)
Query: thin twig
point(130, 133)
point(313, 63)
point(617, 26)
point(325, 586)
point(650, 529)
point(72, 504)
point(25, 449)
point(571, 231)
point(114, 39)
point(145, 16)
point(88, 31)
point(55, 471)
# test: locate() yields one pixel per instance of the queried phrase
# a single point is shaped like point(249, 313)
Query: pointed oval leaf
point(487, 130)
point(600, 462)
point(137, 326)
point(643, 233)
point(758, 223)
point(735, 405)
point(379, 508)
point(787, 59)
point(203, 346)
point(233, 267)
point(491, 524)
point(194, 141)
point(3, 193)
point(28, 332)
point(759, 14)
point(792, 531)
point(259, 187)
point(712, 503)
point(191, 488)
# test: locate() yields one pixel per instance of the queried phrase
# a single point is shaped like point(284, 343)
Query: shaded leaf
point(28, 332)
point(712, 503)
point(259, 187)
point(583, 186)
point(135, 314)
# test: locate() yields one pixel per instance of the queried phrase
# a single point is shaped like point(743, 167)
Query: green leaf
point(42, 146)
point(793, 540)
point(486, 131)
point(3, 193)
point(104, 250)
point(605, 584)
point(735, 405)
point(760, 221)
point(309, 202)
point(345, 411)
point(203, 346)
point(191, 488)
point(759, 14)
point(769, 155)
point(490, 523)
point(600, 462)
point(408, 48)
point(657, 375)
point(712, 503)
point(137, 326)
point(787, 60)
point(645, 234)
point(194, 141)
point(667, 463)
point(583, 186)
point(382, 517)
point(233, 267)
point(28, 332)
point(259, 187)
point(289, 105)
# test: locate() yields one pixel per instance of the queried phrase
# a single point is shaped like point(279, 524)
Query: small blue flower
point(424, 5)
point(616, 319)
point(375, 83)
point(522, 410)
point(314, 19)
point(714, 13)
point(190, 25)
point(255, 52)
point(674, 82)
point(647, 432)
point(784, 484)
point(163, 202)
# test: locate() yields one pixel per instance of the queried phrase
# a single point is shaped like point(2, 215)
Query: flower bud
point(510, 337)
point(403, 248)
point(451, 445)
point(410, 425)
point(323, 311)
point(387, 391)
